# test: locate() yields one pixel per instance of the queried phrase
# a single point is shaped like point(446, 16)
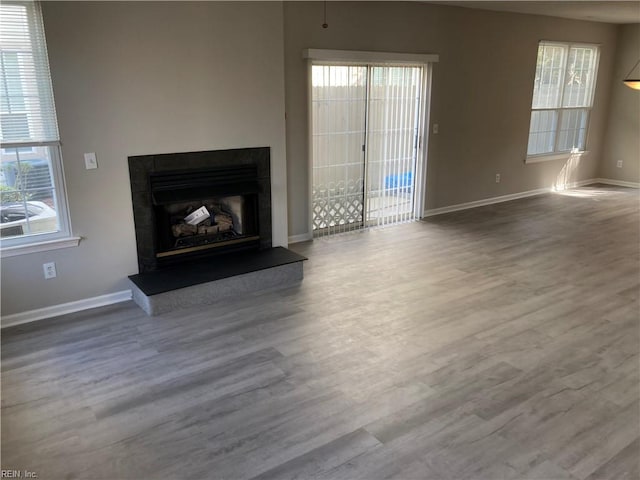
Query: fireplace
point(203, 229)
point(190, 207)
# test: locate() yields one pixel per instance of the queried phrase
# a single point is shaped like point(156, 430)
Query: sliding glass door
point(392, 143)
point(365, 141)
point(338, 116)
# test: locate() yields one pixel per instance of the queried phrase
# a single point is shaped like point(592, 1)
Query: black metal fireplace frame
point(159, 178)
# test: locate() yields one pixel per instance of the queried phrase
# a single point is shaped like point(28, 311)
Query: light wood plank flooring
point(495, 343)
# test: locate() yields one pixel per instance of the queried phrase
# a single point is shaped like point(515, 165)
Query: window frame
point(557, 154)
point(37, 48)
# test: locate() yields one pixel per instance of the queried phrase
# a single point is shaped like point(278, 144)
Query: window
point(32, 199)
point(562, 97)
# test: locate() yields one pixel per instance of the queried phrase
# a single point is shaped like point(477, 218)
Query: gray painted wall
point(623, 127)
point(133, 78)
point(481, 96)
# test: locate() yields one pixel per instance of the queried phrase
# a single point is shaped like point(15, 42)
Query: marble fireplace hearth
point(209, 282)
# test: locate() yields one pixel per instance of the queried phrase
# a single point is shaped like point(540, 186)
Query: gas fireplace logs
point(203, 222)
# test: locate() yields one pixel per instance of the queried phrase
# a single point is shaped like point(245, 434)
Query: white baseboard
point(504, 198)
point(481, 203)
point(619, 183)
point(64, 308)
point(303, 237)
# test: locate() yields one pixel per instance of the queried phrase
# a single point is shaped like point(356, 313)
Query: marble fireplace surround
point(236, 164)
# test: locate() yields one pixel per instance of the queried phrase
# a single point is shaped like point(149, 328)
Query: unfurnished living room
point(332, 240)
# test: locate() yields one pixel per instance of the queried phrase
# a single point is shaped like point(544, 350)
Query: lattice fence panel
point(337, 207)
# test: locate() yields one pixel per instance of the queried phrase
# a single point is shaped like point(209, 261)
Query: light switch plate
point(90, 161)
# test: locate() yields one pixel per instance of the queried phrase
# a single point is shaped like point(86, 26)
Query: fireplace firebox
point(192, 206)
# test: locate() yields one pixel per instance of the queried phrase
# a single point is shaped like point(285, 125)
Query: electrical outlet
point(90, 161)
point(497, 178)
point(619, 164)
point(49, 270)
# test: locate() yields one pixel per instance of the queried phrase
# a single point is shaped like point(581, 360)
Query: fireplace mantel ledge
point(36, 247)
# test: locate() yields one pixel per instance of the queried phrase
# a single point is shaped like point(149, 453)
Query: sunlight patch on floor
point(588, 193)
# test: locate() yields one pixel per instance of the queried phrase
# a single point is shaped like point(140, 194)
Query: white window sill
point(555, 156)
point(39, 247)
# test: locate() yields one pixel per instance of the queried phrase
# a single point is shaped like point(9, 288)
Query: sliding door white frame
point(344, 57)
point(423, 143)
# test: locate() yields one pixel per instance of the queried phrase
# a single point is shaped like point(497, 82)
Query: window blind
point(27, 108)
point(562, 97)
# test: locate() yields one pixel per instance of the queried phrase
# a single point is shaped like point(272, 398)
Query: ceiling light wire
point(325, 24)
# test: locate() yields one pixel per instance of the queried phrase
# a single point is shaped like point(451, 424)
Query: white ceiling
point(595, 11)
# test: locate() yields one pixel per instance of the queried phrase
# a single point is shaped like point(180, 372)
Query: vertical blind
point(392, 143)
point(365, 126)
point(338, 105)
point(27, 108)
